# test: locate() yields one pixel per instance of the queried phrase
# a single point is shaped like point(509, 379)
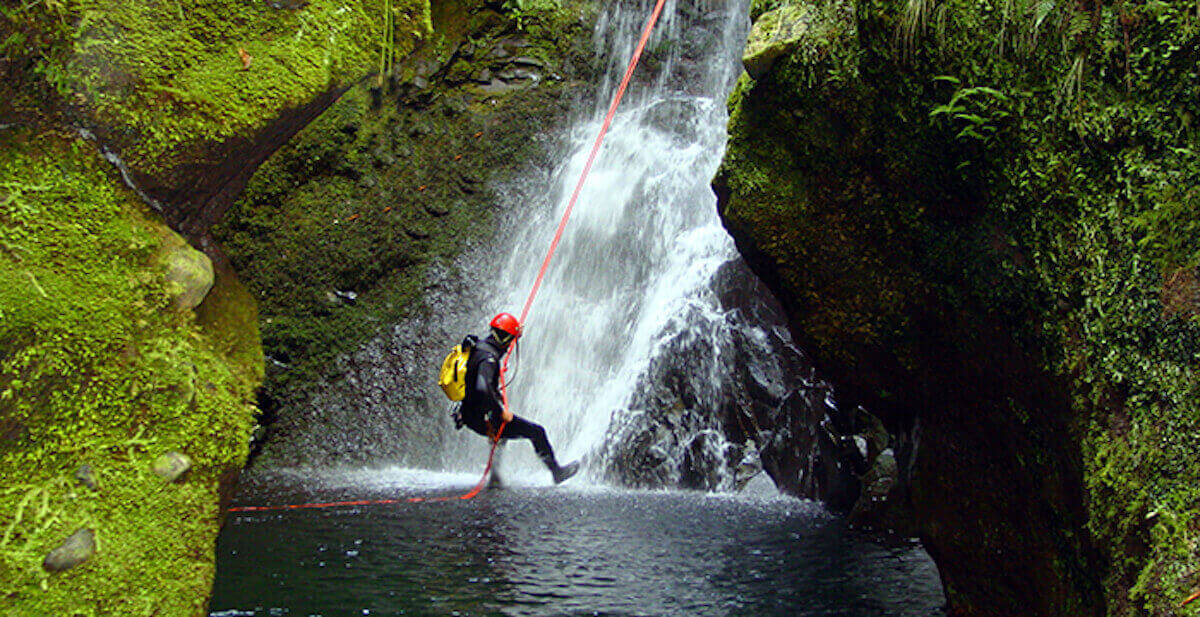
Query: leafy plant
point(525, 11)
point(977, 112)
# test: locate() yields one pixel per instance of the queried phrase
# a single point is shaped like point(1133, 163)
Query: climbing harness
point(537, 284)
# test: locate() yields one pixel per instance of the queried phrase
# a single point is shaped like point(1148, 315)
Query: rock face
point(195, 123)
point(793, 27)
point(774, 413)
point(882, 179)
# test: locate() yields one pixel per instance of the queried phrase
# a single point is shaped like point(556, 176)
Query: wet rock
point(704, 461)
point(172, 466)
point(872, 508)
point(499, 86)
point(505, 48)
point(427, 67)
point(287, 5)
point(749, 466)
point(73, 551)
point(86, 476)
point(420, 83)
point(518, 74)
point(484, 76)
point(189, 274)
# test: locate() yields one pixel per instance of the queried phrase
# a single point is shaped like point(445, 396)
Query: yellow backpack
point(453, 378)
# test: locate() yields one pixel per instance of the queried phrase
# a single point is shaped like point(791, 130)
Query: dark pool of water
point(557, 551)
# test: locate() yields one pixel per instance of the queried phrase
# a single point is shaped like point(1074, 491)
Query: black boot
point(563, 473)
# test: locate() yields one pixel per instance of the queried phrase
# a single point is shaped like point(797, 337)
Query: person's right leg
point(521, 428)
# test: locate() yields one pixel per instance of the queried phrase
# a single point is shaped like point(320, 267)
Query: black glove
point(456, 415)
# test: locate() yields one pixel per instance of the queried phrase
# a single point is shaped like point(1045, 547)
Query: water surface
point(542, 550)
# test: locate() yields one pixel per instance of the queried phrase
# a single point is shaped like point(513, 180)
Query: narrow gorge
point(868, 307)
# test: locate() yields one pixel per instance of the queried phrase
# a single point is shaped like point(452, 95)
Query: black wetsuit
point(484, 403)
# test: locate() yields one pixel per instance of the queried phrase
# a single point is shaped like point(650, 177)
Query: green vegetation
point(171, 76)
point(960, 165)
point(97, 368)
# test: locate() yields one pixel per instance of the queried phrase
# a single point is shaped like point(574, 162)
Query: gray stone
point(517, 74)
point(287, 5)
point(85, 476)
point(75, 550)
point(171, 466)
point(498, 86)
point(189, 274)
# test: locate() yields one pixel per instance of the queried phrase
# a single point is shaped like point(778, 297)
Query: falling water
point(635, 358)
point(636, 264)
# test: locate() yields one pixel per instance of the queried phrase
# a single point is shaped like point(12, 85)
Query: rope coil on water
point(537, 284)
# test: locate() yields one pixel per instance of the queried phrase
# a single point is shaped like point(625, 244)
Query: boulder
point(775, 34)
point(171, 466)
point(73, 551)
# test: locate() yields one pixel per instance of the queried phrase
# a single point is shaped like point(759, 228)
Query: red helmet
point(508, 324)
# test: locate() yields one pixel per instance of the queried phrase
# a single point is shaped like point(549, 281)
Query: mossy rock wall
point(105, 359)
point(981, 218)
point(99, 366)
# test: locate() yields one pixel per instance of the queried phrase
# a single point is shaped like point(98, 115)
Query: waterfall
point(633, 279)
point(651, 351)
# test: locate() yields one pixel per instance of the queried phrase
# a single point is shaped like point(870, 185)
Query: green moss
point(97, 368)
point(176, 74)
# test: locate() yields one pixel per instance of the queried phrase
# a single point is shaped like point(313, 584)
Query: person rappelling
point(472, 372)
